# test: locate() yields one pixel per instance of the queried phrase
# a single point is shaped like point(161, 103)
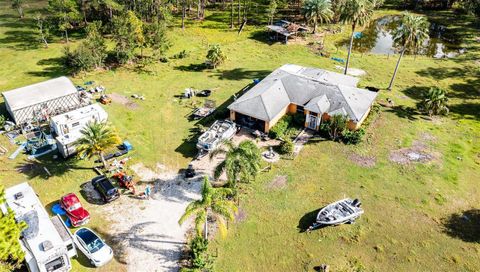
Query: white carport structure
point(40, 101)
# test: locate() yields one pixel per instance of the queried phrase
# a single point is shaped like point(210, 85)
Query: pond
point(377, 38)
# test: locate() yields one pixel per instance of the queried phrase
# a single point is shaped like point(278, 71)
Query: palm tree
point(435, 102)
point(96, 138)
point(215, 55)
point(318, 11)
point(214, 203)
point(357, 13)
point(410, 35)
point(241, 162)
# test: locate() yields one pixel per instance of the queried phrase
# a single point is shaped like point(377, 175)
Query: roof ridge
point(346, 101)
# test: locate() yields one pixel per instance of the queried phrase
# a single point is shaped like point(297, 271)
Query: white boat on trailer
point(343, 211)
point(220, 131)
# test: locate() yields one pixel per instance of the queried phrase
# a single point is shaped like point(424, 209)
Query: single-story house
point(37, 102)
point(317, 93)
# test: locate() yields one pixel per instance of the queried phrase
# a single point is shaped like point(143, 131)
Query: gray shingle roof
point(316, 89)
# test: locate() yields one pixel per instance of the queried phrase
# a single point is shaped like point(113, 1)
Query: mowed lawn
point(410, 221)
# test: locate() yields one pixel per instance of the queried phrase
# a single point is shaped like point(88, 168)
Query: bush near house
point(287, 146)
point(352, 137)
point(280, 129)
point(288, 126)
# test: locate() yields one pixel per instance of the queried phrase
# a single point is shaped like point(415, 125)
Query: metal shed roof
point(38, 93)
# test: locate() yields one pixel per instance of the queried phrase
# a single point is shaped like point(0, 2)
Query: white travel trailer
point(47, 243)
point(67, 126)
point(75, 120)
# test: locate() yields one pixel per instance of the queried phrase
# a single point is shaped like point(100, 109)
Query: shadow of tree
point(466, 110)
point(135, 238)
point(464, 226)
point(403, 111)
point(471, 75)
point(194, 67)
point(20, 40)
point(241, 73)
point(54, 68)
point(56, 167)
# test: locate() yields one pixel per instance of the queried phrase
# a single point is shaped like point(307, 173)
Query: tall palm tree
point(357, 13)
point(96, 138)
point(410, 35)
point(435, 102)
point(214, 203)
point(318, 11)
point(241, 162)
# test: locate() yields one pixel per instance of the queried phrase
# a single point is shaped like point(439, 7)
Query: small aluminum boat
point(337, 213)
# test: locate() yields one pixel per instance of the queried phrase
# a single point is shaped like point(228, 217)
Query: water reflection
point(377, 38)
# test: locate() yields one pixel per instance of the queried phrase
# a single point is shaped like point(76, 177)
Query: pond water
point(377, 38)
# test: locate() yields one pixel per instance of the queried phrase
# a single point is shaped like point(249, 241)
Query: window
point(75, 124)
point(69, 247)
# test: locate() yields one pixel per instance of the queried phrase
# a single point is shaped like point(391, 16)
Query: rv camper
point(67, 126)
point(47, 243)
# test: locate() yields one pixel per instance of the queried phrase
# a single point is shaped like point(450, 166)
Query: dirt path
point(145, 233)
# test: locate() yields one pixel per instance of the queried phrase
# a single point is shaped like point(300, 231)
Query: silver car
point(94, 248)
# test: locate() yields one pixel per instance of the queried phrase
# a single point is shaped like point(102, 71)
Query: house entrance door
point(312, 122)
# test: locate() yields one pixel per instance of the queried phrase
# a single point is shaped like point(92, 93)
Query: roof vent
point(47, 245)
point(18, 196)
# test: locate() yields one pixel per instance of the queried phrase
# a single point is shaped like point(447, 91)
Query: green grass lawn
point(409, 210)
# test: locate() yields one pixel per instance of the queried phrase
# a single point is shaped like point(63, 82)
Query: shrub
point(181, 55)
point(287, 146)
point(2, 120)
point(198, 253)
point(280, 128)
point(299, 120)
point(338, 123)
point(324, 128)
point(353, 137)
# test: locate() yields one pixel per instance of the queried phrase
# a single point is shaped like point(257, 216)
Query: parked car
point(94, 248)
point(106, 189)
point(76, 213)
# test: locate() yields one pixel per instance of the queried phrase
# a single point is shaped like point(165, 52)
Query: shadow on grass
point(194, 67)
point(261, 36)
point(406, 112)
point(466, 110)
point(56, 167)
point(240, 73)
point(90, 194)
point(54, 67)
point(464, 226)
point(307, 220)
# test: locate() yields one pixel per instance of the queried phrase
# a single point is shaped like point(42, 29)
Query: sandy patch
point(145, 234)
point(123, 100)
point(279, 182)
point(419, 152)
point(351, 71)
point(363, 161)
